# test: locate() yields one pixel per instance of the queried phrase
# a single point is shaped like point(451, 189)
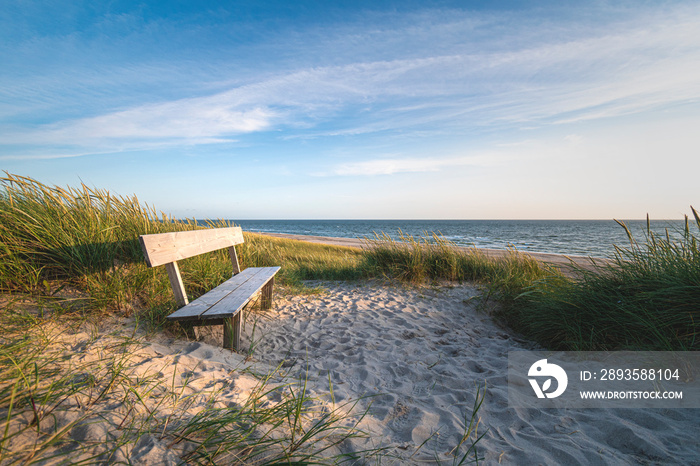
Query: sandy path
point(420, 354)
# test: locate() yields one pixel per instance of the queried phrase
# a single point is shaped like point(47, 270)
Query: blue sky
point(450, 110)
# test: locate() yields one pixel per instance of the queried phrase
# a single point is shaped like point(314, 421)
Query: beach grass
point(432, 257)
point(645, 298)
point(55, 239)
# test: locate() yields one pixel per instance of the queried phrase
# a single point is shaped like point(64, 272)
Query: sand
point(412, 358)
point(415, 357)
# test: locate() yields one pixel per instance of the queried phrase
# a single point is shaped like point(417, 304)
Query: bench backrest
point(168, 248)
point(163, 248)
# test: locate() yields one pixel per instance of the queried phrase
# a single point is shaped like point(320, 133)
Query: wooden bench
point(224, 304)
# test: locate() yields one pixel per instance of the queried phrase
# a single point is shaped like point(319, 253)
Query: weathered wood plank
point(266, 294)
point(232, 331)
point(237, 325)
point(200, 305)
point(242, 295)
point(234, 260)
point(176, 283)
point(203, 323)
point(164, 248)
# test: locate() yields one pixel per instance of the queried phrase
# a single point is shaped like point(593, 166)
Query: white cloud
point(189, 120)
point(650, 61)
point(388, 167)
point(395, 165)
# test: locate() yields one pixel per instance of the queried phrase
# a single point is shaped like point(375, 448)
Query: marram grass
point(53, 238)
point(85, 239)
point(432, 257)
point(646, 298)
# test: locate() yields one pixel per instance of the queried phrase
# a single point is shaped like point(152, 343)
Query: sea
point(593, 238)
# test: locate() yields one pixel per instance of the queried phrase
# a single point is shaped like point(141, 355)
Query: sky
point(359, 110)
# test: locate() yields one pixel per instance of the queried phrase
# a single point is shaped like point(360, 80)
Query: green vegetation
point(86, 239)
point(432, 257)
point(52, 239)
point(646, 298)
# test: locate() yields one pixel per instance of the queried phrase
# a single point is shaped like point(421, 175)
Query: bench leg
point(266, 298)
point(232, 331)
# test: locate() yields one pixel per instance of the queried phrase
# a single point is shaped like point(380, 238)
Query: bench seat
point(227, 299)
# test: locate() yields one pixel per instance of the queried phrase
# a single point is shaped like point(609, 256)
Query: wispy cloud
point(649, 61)
point(395, 165)
point(193, 121)
point(391, 166)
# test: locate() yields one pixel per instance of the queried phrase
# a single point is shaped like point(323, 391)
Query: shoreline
point(561, 261)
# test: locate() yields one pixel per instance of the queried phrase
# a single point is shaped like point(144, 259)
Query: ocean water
point(593, 238)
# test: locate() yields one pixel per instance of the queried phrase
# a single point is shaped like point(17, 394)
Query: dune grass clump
point(86, 240)
point(432, 257)
point(301, 260)
point(56, 233)
point(646, 298)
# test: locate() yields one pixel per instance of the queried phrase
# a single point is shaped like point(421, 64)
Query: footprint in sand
point(357, 378)
point(436, 445)
point(421, 390)
point(388, 383)
point(402, 418)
